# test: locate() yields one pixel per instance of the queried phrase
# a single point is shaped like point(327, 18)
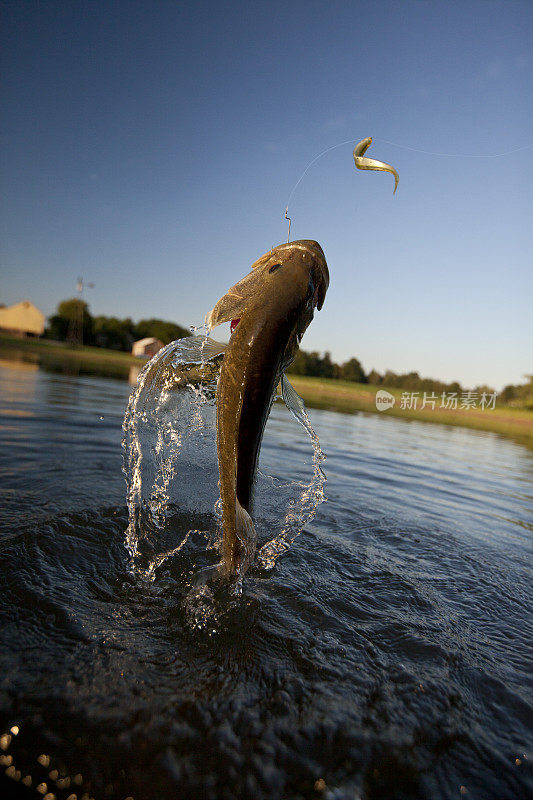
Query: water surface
point(387, 654)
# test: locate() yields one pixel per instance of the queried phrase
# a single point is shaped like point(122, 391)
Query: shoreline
point(321, 393)
point(349, 398)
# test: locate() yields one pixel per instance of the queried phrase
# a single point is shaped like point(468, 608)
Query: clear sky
point(151, 147)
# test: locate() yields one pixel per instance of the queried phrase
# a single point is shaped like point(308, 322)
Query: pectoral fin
point(292, 400)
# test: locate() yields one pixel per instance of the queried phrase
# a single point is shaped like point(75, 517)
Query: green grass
point(62, 357)
point(516, 423)
point(45, 346)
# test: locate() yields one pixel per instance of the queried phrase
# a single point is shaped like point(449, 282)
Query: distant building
point(146, 348)
point(22, 319)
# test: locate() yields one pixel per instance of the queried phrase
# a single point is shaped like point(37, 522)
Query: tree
point(299, 364)
point(327, 367)
point(114, 333)
point(520, 395)
point(313, 364)
point(353, 371)
point(158, 328)
point(71, 321)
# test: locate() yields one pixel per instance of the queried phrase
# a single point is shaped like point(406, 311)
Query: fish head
point(303, 254)
point(296, 269)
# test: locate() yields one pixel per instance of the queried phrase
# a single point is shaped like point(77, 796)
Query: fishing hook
point(289, 231)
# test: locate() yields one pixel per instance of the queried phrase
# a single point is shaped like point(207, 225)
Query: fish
point(269, 311)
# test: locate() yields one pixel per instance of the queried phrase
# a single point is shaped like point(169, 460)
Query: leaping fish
point(270, 309)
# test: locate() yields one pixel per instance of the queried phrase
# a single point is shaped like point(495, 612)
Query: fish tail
point(247, 536)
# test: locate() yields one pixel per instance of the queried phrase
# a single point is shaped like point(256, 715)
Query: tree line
point(520, 395)
point(321, 366)
point(119, 334)
point(73, 321)
point(318, 366)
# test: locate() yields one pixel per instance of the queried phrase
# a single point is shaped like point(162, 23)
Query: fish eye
point(273, 268)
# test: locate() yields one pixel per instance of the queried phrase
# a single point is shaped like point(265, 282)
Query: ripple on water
point(385, 656)
point(332, 666)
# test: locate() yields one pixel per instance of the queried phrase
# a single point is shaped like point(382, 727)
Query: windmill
point(75, 328)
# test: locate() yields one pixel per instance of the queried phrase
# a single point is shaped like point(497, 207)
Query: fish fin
point(198, 349)
point(235, 301)
point(246, 535)
point(229, 307)
point(263, 260)
point(206, 575)
point(292, 400)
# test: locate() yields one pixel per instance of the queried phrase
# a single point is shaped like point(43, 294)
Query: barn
point(22, 319)
point(146, 348)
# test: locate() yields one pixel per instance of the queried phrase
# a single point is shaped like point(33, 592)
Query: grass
point(61, 357)
point(333, 395)
point(348, 397)
point(85, 352)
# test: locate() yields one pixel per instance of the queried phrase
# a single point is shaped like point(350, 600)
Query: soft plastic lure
point(361, 162)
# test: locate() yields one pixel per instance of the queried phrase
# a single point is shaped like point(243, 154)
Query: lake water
point(387, 654)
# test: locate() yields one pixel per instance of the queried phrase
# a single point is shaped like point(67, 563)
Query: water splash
point(303, 508)
point(171, 469)
point(167, 415)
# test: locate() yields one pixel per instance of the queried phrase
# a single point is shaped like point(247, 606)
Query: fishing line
point(456, 155)
point(404, 147)
point(302, 176)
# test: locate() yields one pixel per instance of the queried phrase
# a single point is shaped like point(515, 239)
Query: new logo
point(384, 400)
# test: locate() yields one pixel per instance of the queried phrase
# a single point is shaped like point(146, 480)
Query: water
point(170, 465)
point(386, 655)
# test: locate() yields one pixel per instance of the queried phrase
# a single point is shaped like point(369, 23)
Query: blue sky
point(151, 147)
